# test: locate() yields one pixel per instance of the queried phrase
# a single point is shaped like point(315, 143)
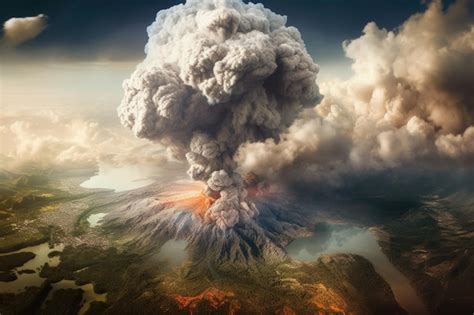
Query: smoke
point(219, 74)
point(19, 30)
point(410, 102)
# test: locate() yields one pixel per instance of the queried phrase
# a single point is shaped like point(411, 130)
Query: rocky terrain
point(116, 267)
point(434, 246)
point(326, 286)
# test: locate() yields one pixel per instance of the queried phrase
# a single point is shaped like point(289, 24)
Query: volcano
point(179, 213)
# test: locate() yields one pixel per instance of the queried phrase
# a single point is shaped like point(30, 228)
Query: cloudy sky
point(77, 53)
point(63, 64)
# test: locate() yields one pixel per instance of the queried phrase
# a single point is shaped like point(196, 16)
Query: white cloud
point(19, 30)
point(48, 140)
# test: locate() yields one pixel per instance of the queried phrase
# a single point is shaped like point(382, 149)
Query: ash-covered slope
point(148, 222)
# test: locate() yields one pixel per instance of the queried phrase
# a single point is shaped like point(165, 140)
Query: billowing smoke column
point(218, 74)
point(409, 103)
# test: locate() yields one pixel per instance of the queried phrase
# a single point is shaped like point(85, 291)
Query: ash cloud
point(410, 102)
point(18, 30)
point(219, 74)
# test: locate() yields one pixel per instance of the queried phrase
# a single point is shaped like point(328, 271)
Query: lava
point(214, 297)
point(188, 196)
point(326, 300)
point(191, 196)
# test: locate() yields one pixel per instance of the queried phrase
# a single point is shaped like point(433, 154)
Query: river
point(331, 239)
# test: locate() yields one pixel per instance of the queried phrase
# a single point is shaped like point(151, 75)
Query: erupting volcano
point(258, 186)
point(218, 74)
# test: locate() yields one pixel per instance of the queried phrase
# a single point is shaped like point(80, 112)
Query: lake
point(332, 239)
point(120, 178)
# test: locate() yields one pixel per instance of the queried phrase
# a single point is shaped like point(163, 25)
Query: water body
point(332, 239)
point(88, 296)
point(120, 178)
point(95, 219)
point(34, 280)
point(31, 279)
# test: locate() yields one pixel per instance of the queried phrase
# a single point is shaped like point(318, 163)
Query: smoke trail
point(218, 74)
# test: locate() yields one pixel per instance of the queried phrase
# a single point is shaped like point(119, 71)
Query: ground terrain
point(100, 269)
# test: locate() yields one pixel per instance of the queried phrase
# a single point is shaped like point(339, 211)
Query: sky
point(89, 47)
point(115, 30)
point(63, 63)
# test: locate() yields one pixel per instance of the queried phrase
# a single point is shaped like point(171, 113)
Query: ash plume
point(218, 74)
point(409, 103)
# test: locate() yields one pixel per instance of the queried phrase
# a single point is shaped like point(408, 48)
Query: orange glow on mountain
point(213, 297)
point(286, 311)
point(188, 196)
point(326, 300)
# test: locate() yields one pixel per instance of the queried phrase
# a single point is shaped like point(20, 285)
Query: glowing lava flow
point(188, 196)
point(214, 297)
